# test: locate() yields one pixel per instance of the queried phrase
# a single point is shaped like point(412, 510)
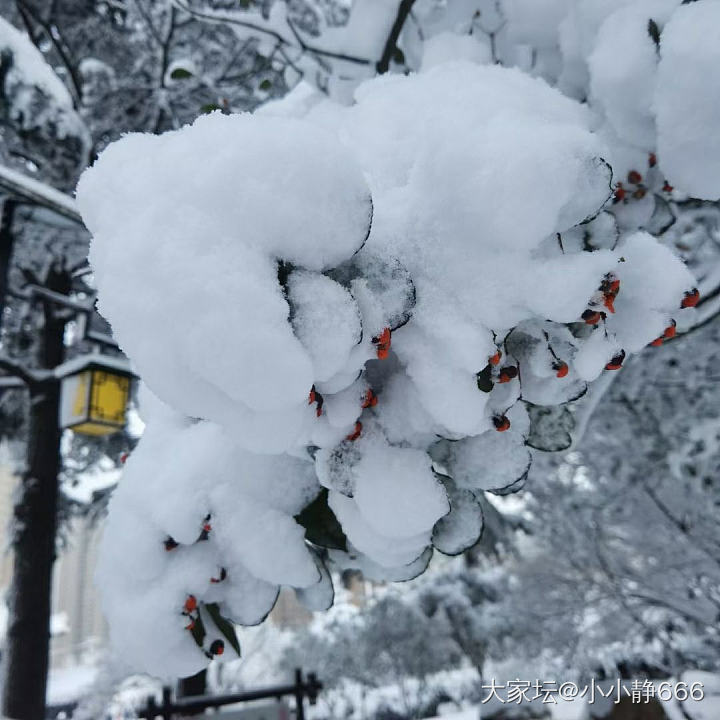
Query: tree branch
point(383, 64)
point(319, 52)
point(18, 370)
point(54, 36)
point(39, 193)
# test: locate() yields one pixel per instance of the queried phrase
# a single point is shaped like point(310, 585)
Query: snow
point(66, 685)
point(248, 501)
point(30, 66)
point(448, 46)
point(37, 98)
point(396, 491)
point(687, 106)
point(623, 67)
point(355, 297)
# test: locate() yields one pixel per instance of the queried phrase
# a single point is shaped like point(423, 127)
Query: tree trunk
point(7, 215)
point(26, 655)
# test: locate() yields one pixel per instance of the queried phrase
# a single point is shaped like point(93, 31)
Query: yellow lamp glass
point(94, 401)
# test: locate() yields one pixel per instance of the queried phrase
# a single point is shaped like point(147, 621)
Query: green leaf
point(484, 379)
point(550, 427)
point(266, 84)
point(321, 526)
point(223, 625)
point(210, 107)
point(180, 74)
point(198, 631)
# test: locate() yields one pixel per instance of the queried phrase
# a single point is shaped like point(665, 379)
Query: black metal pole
point(299, 695)
point(166, 704)
point(26, 654)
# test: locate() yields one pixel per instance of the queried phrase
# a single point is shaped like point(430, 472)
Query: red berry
point(619, 193)
point(356, 433)
point(561, 369)
point(670, 330)
point(667, 187)
point(370, 399)
point(315, 396)
point(217, 647)
point(170, 543)
point(124, 457)
point(495, 359)
point(383, 343)
point(634, 177)
point(608, 301)
point(640, 193)
point(691, 298)
point(190, 625)
point(616, 362)
point(501, 423)
point(190, 604)
point(652, 160)
point(592, 317)
point(507, 374)
point(657, 342)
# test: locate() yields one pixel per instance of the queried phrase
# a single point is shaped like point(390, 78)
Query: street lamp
point(94, 394)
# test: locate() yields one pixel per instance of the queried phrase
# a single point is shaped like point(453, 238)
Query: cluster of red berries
point(605, 296)
point(506, 373)
point(370, 399)
point(609, 287)
point(382, 341)
point(669, 333)
point(690, 299)
point(190, 610)
point(639, 191)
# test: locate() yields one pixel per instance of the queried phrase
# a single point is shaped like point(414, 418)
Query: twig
point(383, 64)
point(18, 370)
point(218, 18)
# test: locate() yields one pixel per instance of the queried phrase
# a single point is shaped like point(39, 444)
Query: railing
point(300, 689)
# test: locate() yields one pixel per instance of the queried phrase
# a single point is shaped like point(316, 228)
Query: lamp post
point(88, 394)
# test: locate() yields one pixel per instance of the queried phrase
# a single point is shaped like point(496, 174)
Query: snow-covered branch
point(38, 193)
point(274, 28)
point(18, 370)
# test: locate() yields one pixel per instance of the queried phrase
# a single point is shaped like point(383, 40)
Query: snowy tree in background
point(74, 76)
point(353, 319)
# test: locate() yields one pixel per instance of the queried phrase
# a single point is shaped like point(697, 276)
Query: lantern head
point(94, 394)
